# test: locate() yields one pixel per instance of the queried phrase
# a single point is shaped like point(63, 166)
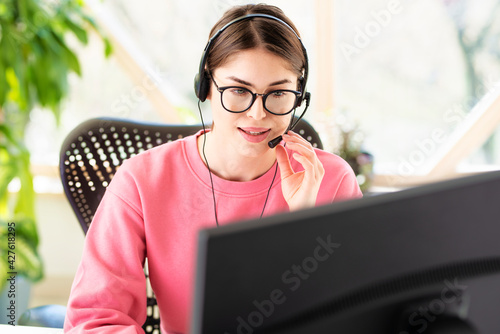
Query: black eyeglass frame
point(254, 97)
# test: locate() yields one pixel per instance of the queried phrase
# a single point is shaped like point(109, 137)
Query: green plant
point(35, 61)
point(360, 161)
point(19, 234)
point(350, 142)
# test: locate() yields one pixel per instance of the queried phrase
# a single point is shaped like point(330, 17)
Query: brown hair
point(270, 34)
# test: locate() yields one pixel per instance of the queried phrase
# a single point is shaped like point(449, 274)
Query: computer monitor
point(422, 260)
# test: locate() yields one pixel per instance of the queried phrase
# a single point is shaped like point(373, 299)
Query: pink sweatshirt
point(153, 208)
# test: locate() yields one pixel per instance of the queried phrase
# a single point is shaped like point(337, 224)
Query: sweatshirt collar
point(222, 186)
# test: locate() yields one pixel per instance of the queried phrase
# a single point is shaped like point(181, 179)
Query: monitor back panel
point(323, 266)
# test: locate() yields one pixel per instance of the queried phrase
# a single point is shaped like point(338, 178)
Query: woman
point(254, 75)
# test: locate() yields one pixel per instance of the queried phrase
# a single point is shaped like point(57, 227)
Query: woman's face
point(249, 132)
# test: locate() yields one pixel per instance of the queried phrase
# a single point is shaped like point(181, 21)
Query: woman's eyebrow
point(246, 83)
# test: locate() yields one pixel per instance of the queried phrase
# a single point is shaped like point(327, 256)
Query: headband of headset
point(202, 81)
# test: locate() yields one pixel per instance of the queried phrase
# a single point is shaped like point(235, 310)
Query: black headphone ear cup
point(203, 86)
point(197, 85)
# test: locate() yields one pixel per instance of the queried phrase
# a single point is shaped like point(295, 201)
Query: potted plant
point(35, 61)
point(361, 162)
point(343, 137)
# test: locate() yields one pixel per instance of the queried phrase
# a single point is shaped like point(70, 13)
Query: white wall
point(61, 237)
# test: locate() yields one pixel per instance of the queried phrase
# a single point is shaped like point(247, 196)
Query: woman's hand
point(300, 189)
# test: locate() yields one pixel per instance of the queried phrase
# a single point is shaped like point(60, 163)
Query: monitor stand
point(437, 314)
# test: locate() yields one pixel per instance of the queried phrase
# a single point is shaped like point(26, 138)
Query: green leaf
point(79, 32)
point(69, 57)
point(3, 10)
point(14, 93)
point(90, 20)
point(40, 80)
point(72, 60)
point(22, 77)
point(7, 174)
point(23, 11)
point(28, 263)
point(35, 61)
point(10, 152)
point(32, 29)
point(3, 85)
point(26, 228)
point(4, 269)
point(26, 196)
point(108, 47)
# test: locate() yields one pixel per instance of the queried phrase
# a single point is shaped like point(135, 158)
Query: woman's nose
point(257, 110)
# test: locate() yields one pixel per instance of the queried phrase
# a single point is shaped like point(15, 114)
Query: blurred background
point(408, 89)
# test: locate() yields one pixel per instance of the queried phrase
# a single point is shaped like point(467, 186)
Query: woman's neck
point(230, 165)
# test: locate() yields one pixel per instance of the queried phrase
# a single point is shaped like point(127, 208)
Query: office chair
point(94, 150)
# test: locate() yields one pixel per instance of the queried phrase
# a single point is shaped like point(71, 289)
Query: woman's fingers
point(310, 175)
point(303, 148)
point(283, 161)
point(300, 189)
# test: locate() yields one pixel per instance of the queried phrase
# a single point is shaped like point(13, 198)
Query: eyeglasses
point(237, 99)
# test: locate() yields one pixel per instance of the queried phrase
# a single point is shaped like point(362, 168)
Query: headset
point(202, 81)
point(202, 87)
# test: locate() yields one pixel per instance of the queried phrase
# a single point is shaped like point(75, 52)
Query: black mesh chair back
point(92, 153)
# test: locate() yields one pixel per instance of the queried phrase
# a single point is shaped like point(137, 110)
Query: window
point(410, 72)
point(407, 72)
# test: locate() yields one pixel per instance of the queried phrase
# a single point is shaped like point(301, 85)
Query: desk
point(8, 329)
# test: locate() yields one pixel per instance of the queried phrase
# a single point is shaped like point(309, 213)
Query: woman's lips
point(253, 134)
